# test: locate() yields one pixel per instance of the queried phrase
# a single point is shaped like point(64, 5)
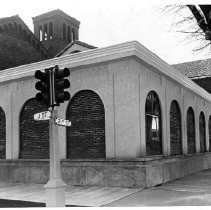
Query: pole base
point(55, 193)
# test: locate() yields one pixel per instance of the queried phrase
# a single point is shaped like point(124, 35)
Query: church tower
point(56, 30)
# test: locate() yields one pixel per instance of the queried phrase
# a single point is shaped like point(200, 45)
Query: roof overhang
point(99, 55)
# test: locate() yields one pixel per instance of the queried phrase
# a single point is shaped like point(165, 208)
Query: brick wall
point(202, 132)
point(34, 135)
point(175, 129)
point(2, 134)
point(86, 136)
point(191, 131)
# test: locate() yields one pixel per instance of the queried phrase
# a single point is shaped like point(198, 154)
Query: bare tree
point(189, 19)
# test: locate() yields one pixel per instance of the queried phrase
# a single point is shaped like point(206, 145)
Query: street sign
point(62, 122)
point(42, 115)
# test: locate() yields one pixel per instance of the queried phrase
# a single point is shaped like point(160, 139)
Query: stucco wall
point(122, 76)
point(122, 85)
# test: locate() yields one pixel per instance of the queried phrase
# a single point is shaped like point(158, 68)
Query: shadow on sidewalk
point(17, 204)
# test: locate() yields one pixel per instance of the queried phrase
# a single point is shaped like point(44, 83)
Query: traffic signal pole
point(51, 86)
point(55, 188)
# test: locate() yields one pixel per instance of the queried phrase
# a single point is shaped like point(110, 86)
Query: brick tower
point(55, 30)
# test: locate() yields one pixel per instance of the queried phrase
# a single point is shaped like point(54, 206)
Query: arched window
point(202, 132)
point(191, 142)
point(33, 43)
point(175, 129)
point(40, 33)
point(73, 34)
point(5, 28)
point(2, 134)
point(45, 32)
point(153, 124)
point(15, 26)
point(38, 46)
point(19, 28)
point(24, 34)
point(69, 33)
point(64, 31)
point(209, 133)
point(34, 135)
point(86, 135)
point(29, 38)
point(10, 27)
point(50, 30)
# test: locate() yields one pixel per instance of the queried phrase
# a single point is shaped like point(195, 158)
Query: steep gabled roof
point(75, 42)
point(18, 45)
point(195, 69)
point(11, 21)
point(15, 52)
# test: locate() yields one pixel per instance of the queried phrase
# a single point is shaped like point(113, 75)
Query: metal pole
point(55, 188)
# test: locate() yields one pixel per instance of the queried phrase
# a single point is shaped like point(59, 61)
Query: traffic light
point(43, 86)
point(60, 83)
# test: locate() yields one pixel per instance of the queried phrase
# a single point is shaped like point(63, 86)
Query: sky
point(108, 22)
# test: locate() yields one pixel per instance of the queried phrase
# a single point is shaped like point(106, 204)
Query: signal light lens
point(60, 83)
point(63, 96)
point(66, 72)
point(43, 86)
point(39, 96)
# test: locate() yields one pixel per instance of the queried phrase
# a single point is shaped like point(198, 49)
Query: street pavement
point(191, 190)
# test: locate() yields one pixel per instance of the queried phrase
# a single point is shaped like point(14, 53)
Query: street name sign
point(42, 115)
point(62, 122)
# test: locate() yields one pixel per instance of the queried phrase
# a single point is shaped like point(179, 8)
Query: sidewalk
point(75, 195)
point(192, 190)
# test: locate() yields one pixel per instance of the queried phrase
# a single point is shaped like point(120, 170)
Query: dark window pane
point(191, 131)
point(202, 132)
point(153, 125)
point(175, 129)
point(2, 134)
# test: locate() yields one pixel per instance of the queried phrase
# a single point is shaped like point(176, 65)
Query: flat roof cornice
point(127, 49)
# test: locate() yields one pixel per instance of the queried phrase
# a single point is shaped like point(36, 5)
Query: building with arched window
point(135, 120)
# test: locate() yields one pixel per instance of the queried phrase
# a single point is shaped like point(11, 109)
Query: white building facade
point(154, 122)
